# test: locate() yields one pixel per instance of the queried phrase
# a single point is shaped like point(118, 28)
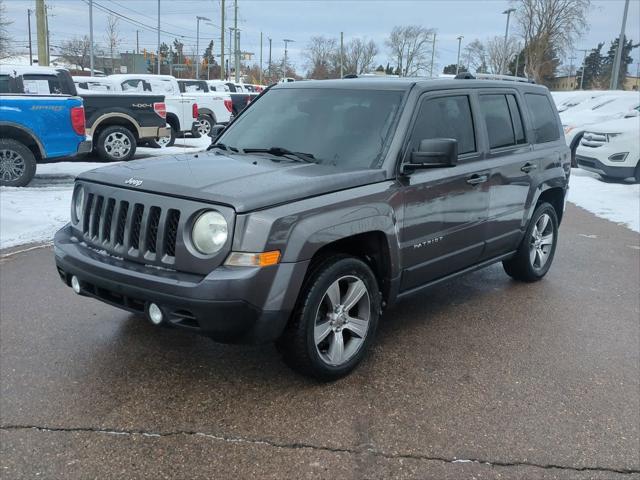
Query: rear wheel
point(537, 249)
point(335, 319)
point(205, 124)
point(116, 143)
point(17, 163)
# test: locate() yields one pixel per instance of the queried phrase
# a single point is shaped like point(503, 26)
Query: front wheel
point(335, 319)
point(537, 249)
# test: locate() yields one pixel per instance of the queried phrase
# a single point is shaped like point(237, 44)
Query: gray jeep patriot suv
point(319, 206)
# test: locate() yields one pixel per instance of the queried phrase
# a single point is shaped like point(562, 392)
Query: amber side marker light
point(243, 259)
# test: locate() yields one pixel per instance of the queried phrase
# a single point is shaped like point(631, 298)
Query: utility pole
point(433, 54)
point(458, 62)
point(584, 67)
point(46, 26)
point(91, 61)
point(137, 42)
point(159, 59)
point(30, 49)
point(615, 74)
point(508, 12)
point(270, 74)
point(571, 59)
point(41, 29)
point(341, 54)
point(260, 82)
point(222, 66)
point(239, 63)
point(235, 43)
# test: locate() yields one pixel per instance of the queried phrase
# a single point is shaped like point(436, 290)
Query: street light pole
point(458, 62)
point(198, 18)
point(236, 58)
point(260, 58)
point(508, 12)
point(433, 54)
point(615, 74)
point(270, 74)
point(30, 48)
point(286, 42)
point(223, 69)
point(159, 59)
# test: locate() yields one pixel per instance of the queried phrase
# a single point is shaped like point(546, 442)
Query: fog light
point(75, 284)
point(155, 314)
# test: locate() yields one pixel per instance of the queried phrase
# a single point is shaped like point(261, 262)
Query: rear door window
point(445, 117)
point(136, 85)
point(502, 118)
point(543, 117)
point(42, 84)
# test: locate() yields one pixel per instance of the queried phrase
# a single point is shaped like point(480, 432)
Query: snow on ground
point(34, 213)
point(618, 202)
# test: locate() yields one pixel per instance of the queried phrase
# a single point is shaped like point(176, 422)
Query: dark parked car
point(320, 206)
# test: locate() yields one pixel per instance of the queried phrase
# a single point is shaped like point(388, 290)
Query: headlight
point(78, 204)
point(209, 232)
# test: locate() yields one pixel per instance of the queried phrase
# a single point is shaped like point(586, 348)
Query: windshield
point(345, 128)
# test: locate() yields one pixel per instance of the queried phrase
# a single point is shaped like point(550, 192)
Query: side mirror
point(433, 153)
point(216, 131)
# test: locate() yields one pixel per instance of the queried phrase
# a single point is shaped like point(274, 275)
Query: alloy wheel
point(204, 127)
point(342, 320)
point(541, 242)
point(12, 165)
point(117, 145)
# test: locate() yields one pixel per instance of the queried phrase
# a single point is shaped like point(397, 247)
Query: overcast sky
point(301, 19)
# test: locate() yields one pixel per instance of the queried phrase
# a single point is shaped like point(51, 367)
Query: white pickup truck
point(182, 109)
point(213, 106)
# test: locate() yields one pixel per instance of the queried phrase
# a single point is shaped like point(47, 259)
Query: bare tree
point(320, 56)
point(549, 28)
point(77, 51)
point(410, 48)
point(497, 55)
point(112, 37)
point(476, 56)
point(5, 39)
point(359, 56)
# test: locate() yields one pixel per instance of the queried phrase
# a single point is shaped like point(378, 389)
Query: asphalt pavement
point(480, 378)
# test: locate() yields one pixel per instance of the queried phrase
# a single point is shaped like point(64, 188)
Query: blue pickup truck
point(37, 128)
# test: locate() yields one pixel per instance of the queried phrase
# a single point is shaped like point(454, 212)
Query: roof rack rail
point(492, 76)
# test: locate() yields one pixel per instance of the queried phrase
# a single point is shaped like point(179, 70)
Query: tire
point(205, 124)
point(636, 174)
point(325, 339)
point(574, 148)
point(160, 143)
point(17, 163)
point(537, 249)
point(116, 144)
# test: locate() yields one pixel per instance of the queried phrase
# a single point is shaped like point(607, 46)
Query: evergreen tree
point(607, 64)
point(593, 64)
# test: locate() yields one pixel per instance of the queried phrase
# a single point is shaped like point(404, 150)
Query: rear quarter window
point(545, 125)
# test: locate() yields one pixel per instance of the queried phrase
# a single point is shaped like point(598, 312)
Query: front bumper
point(230, 305)
point(153, 132)
point(594, 165)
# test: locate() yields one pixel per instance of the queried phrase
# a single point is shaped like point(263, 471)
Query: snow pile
point(618, 202)
point(34, 213)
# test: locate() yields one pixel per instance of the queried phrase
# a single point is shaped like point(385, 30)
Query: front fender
point(301, 228)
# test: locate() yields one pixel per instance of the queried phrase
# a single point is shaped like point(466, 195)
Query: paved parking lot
point(479, 378)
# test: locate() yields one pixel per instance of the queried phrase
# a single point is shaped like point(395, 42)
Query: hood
point(244, 182)
point(622, 125)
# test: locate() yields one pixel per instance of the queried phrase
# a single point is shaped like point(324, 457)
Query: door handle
point(527, 167)
point(475, 179)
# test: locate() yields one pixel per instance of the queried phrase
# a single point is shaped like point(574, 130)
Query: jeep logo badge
point(134, 182)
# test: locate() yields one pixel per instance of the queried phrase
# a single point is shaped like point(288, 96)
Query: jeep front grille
point(137, 230)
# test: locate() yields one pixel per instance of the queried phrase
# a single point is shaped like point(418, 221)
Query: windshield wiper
point(222, 146)
point(281, 152)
